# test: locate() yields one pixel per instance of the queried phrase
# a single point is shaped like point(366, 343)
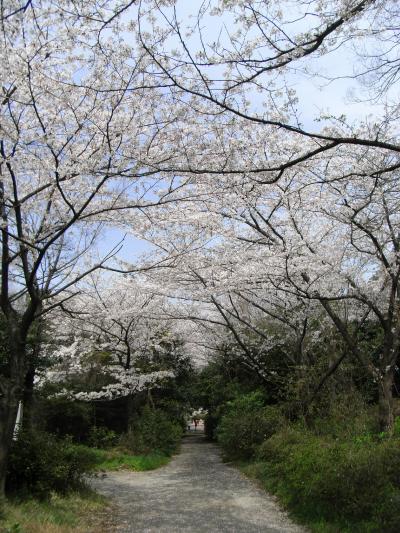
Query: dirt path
point(195, 493)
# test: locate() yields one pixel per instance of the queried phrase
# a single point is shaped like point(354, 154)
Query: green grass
point(305, 515)
point(74, 512)
point(332, 485)
point(77, 512)
point(116, 459)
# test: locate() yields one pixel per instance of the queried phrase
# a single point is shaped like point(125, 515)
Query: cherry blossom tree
point(324, 239)
point(119, 318)
point(344, 254)
point(115, 114)
point(78, 142)
point(235, 62)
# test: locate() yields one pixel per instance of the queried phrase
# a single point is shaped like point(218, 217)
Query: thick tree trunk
point(130, 412)
point(29, 384)
point(28, 398)
point(386, 416)
point(8, 413)
point(11, 391)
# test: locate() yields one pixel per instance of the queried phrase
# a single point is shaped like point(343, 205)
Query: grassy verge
point(77, 512)
point(116, 459)
point(332, 485)
point(303, 515)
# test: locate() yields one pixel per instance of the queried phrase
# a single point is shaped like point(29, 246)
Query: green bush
point(246, 424)
point(101, 437)
point(39, 463)
point(210, 426)
point(154, 432)
point(348, 415)
point(396, 427)
point(353, 481)
point(62, 417)
point(279, 446)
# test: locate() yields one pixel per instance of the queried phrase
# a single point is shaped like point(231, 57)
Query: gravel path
point(194, 493)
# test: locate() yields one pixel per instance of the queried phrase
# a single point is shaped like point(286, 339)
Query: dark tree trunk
point(130, 412)
point(386, 414)
point(11, 392)
point(29, 384)
point(8, 413)
point(28, 398)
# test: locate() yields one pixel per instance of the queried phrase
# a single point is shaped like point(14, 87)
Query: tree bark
point(385, 402)
point(28, 397)
point(11, 392)
point(130, 412)
point(9, 401)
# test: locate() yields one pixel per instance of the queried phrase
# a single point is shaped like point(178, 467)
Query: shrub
point(246, 424)
point(101, 437)
point(343, 481)
point(278, 446)
point(396, 427)
point(210, 426)
point(153, 432)
point(347, 416)
point(62, 417)
point(40, 463)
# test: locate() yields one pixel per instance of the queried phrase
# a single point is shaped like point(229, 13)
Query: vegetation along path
point(196, 492)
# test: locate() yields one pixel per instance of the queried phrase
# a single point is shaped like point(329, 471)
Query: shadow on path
point(196, 492)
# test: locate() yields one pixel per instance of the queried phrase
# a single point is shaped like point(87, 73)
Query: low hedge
point(153, 433)
point(354, 483)
point(41, 463)
point(245, 424)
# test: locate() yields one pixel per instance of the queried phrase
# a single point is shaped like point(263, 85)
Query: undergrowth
point(333, 485)
point(335, 472)
point(116, 459)
point(74, 512)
